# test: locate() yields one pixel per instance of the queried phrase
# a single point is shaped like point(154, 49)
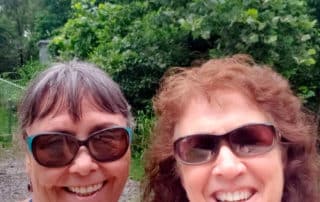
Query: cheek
point(194, 179)
point(124, 166)
point(50, 177)
point(117, 172)
point(45, 186)
point(278, 184)
point(119, 169)
point(269, 171)
point(272, 167)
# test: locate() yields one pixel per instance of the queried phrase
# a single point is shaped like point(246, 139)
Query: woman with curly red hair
point(231, 130)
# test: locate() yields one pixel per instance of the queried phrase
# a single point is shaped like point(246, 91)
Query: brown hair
point(63, 86)
point(270, 91)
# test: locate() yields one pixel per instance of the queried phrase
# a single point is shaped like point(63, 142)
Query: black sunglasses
point(55, 149)
point(245, 141)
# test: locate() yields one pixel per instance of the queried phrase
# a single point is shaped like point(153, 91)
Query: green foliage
point(23, 23)
point(4, 120)
point(315, 8)
point(51, 18)
point(144, 123)
point(28, 71)
point(279, 33)
point(14, 19)
point(136, 41)
point(136, 168)
point(130, 40)
point(23, 74)
point(8, 118)
point(10, 95)
point(7, 54)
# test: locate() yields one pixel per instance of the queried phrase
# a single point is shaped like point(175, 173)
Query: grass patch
point(5, 136)
point(136, 168)
point(3, 120)
point(8, 120)
point(5, 141)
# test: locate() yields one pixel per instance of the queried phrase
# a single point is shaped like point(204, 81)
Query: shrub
point(144, 124)
point(136, 41)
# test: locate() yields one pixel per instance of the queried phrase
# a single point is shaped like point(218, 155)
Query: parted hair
point(64, 86)
point(267, 89)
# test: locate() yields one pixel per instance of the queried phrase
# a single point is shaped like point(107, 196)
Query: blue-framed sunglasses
point(56, 149)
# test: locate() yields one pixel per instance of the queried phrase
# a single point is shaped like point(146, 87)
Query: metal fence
point(9, 97)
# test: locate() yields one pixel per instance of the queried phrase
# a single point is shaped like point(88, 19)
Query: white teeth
point(233, 196)
point(86, 190)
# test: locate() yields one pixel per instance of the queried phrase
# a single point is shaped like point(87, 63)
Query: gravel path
point(13, 180)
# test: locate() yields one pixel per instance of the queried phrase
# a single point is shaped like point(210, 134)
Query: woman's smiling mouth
point(87, 190)
point(235, 196)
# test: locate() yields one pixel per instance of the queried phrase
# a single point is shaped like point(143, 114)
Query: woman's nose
point(227, 164)
point(83, 164)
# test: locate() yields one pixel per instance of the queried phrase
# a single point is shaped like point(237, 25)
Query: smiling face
point(228, 178)
point(84, 179)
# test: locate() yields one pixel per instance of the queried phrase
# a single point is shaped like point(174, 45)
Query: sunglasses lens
point(54, 150)
point(109, 144)
point(196, 149)
point(252, 139)
point(57, 149)
point(248, 140)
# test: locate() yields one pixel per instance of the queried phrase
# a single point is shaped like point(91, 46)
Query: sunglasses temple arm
point(130, 132)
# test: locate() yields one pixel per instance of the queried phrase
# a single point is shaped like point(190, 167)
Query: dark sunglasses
point(55, 149)
point(245, 141)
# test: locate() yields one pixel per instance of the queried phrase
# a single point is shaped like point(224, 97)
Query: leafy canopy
point(136, 41)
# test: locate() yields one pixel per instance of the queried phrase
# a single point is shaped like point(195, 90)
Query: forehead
point(92, 119)
point(219, 113)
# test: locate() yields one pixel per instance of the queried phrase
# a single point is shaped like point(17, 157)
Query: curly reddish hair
point(270, 91)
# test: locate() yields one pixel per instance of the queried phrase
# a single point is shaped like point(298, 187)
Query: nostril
point(227, 164)
point(83, 164)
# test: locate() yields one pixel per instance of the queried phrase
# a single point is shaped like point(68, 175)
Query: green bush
point(144, 124)
point(23, 74)
point(143, 129)
point(315, 8)
point(12, 85)
point(136, 41)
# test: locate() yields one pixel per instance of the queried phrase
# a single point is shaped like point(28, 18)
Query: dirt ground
point(13, 180)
